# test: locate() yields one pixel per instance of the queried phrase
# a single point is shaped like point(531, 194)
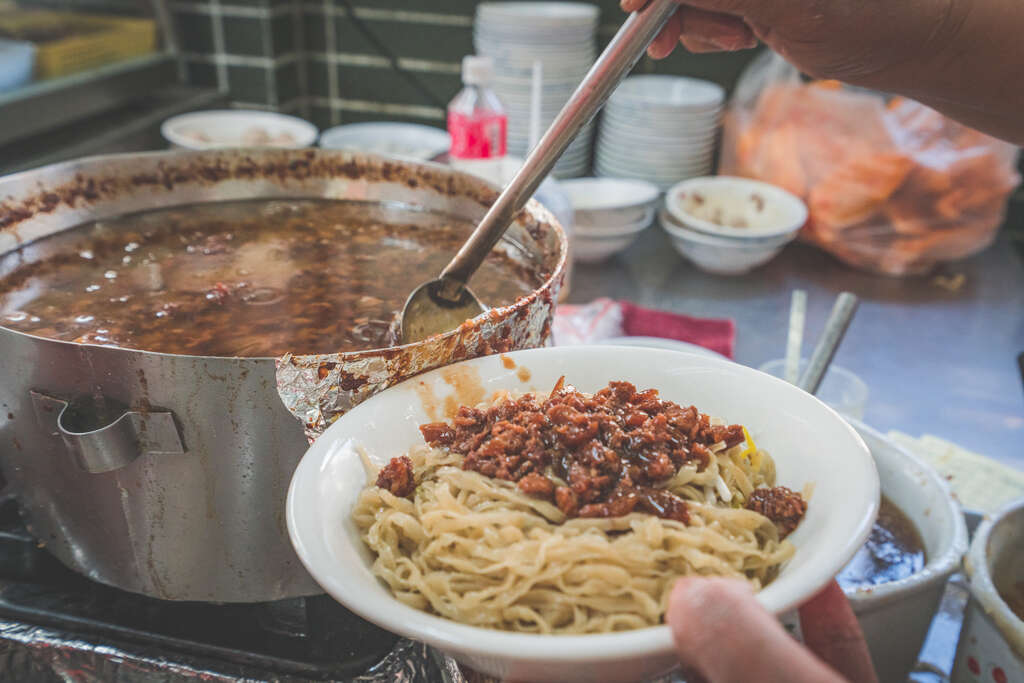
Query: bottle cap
point(477, 70)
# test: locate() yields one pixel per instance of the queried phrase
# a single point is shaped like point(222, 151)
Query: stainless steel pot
point(180, 493)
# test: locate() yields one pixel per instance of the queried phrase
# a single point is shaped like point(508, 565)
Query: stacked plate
point(559, 35)
point(661, 129)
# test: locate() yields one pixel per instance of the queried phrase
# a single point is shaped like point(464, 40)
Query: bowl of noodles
point(528, 513)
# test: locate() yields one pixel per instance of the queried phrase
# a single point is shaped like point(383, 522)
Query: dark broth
point(250, 278)
point(1009, 579)
point(893, 551)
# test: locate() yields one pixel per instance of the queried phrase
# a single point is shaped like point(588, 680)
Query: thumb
point(721, 631)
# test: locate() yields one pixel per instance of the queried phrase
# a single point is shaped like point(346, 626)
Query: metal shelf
point(54, 103)
point(129, 128)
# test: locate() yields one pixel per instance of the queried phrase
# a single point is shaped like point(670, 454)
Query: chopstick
point(838, 321)
point(795, 338)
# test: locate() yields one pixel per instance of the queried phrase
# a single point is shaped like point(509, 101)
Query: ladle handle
point(604, 76)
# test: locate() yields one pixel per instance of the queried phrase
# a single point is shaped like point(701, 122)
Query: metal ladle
point(445, 303)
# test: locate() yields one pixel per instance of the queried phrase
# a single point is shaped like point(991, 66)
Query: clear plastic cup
point(844, 391)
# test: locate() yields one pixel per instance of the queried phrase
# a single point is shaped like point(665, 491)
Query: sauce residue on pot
point(248, 278)
point(893, 551)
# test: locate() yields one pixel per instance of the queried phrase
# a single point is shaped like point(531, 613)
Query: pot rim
point(979, 575)
point(533, 208)
point(938, 569)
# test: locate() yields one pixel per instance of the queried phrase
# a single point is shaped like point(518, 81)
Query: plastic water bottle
point(477, 122)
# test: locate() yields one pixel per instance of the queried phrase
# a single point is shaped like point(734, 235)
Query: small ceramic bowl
point(896, 616)
point(725, 206)
point(595, 245)
point(992, 638)
point(722, 255)
point(391, 138)
point(223, 128)
point(786, 421)
point(612, 204)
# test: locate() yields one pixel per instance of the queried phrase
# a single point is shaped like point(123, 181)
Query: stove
point(56, 625)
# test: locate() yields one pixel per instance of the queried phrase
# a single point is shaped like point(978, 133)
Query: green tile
point(248, 84)
point(462, 7)
point(245, 36)
point(385, 85)
point(320, 117)
point(287, 82)
point(255, 3)
point(419, 41)
point(194, 32)
point(282, 30)
point(201, 74)
point(317, 75)
point(314, 32)
point(360, 116)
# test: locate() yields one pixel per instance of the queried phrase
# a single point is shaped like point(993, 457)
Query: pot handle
point(115, 445)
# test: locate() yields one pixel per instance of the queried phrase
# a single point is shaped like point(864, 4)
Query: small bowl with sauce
point(896, 580)
point(720, 255)
point(226, 128)
point(737, 208)
point(992, 639)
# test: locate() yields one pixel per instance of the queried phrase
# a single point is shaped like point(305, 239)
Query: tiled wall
point(310, 57)
point(252, 49)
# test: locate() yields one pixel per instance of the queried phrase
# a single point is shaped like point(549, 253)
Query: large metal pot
point(181, 494)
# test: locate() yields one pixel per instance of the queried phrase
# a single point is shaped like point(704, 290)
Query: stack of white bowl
point(609, 214)
point(729, 226)
point(661, 129)
point(561, 36)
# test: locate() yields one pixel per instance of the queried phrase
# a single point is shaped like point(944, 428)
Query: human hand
point(724, 635)
point(961, 57)
point(851, 40)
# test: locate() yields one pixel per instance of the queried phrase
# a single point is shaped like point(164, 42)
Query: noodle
point(477, 550)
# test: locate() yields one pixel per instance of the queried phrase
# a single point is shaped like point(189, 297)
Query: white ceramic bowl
point(764, 210)
point(673, 93)
point(991, 647)
point(391, 138)
point(720, 255)
point(896, 616)
point(788, 422)
point(611, 203)
point(596, 245)
point(232, 128)
point(532, 15)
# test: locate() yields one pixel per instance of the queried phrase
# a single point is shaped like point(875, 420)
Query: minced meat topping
point(606, 453)
point(784, 507)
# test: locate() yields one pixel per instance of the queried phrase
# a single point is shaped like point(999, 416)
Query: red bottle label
point(477, 137)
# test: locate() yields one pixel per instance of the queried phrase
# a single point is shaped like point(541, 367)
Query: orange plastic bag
point(892, 186)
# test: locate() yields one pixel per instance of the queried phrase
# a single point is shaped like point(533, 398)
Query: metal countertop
point(935, 361)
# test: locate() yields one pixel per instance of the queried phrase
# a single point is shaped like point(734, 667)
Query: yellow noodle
point(476, 550)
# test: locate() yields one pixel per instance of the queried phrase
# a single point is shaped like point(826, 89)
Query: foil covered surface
point(35, 653)
point(317, 389)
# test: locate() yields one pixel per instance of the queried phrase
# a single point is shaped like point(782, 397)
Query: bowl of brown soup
point(896, 580)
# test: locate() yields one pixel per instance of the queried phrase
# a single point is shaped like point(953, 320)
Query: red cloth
point(717, 334)
point(604, 319)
